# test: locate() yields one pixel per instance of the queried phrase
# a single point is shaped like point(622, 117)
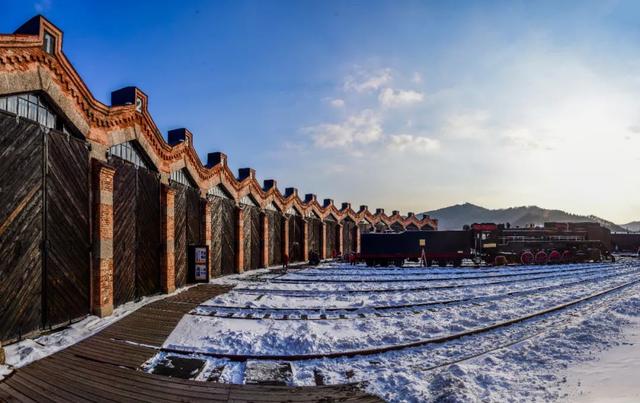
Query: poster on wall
point(199, 263)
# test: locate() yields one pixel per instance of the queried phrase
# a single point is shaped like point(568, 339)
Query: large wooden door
point(275, 219)
point(315, 235)
point(44, 228)
point(332, 241)
point(149, 233)
point(348, 236)
point(67, 207)
point(251, 237)
point(296, 238)
point(21, 227)
point(136, 232)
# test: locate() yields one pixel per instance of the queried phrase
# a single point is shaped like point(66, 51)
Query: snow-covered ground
point(299, 313)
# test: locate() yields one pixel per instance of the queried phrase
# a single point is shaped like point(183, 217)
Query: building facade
point(99, 209)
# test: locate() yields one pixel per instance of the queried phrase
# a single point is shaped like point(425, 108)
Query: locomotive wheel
point(500, 261)
point(567, 257)
point(554, 257)
point(526, 258)
point(541, 257)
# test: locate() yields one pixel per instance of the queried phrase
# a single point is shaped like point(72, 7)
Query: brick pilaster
point(240, 241)
point(323, 250)
point(340, 239)
point(102, 273)
point(357, 239)
point(207, 232)
point(305, 236)
point(167, 272)
point(285, 239)
point(265, 240)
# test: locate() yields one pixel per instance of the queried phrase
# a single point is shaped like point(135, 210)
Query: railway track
point(419, 343)
point(247, 313)
point(342, 272)
point(308, 294)
point(421, 279)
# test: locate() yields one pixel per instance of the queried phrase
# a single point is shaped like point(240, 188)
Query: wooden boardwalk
point(104, 367)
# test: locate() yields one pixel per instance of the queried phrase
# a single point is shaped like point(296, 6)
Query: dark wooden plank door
point(215, 252)
point(194, 217)
point(251, 238)
point(21, 230)
point(148, 233)
point(228, 219)
point(67, 267)
point(275, 237)
point(180, 238)
point(331, 238)
point(124, 231)
point(296, 238)
point(348, 236)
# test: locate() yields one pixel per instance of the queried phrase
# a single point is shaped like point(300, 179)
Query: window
point(49, 43)
point(129, 152)
point(247, 200)
point(32, 107)
point(271, 207)
point(292, 211)
point(219, 191)
point(182, 176)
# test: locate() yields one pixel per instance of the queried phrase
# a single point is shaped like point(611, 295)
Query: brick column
point(323, 251)
point(357, 238)
point(285, 239)
point(305, 236)
point(340, 239)
point(207, 232)
point(102, 273)
point(168, 269)
point(240, 241)
point(265, 240)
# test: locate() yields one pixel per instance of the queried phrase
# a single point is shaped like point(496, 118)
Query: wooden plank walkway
point(104, 367)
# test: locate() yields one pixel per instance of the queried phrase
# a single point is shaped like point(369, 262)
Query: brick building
point(99, 209)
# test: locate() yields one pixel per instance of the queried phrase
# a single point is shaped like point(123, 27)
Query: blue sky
point(408, 105)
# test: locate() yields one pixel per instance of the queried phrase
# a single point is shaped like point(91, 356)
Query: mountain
point(633, 226)
point(455, 217)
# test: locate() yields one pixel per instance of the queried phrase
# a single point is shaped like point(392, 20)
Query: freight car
point(491, 243)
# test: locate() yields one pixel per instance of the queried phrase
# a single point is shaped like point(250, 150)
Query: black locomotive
point(490, 243)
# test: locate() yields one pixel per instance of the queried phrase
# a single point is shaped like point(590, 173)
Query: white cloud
point(411, 143)
point(42, 5)
point(364, 81)
point(362, 128)
point(391, 98)
point(337, 103)
point(417, 77)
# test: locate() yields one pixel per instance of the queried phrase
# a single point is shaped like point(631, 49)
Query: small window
point(49, 43)
point(182, 177)
point(129, 152)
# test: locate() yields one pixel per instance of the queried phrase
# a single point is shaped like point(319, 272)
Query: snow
point(522, 362)
point(612, 376)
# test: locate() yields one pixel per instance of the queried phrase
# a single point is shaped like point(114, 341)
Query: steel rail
point(307, 293)
point(400, 346)
point(221, 311)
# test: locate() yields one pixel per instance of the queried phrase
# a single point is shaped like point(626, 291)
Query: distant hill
point(633, 226)
point(454, 217)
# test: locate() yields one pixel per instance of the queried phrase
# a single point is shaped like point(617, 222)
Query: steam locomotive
point(494, 244)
